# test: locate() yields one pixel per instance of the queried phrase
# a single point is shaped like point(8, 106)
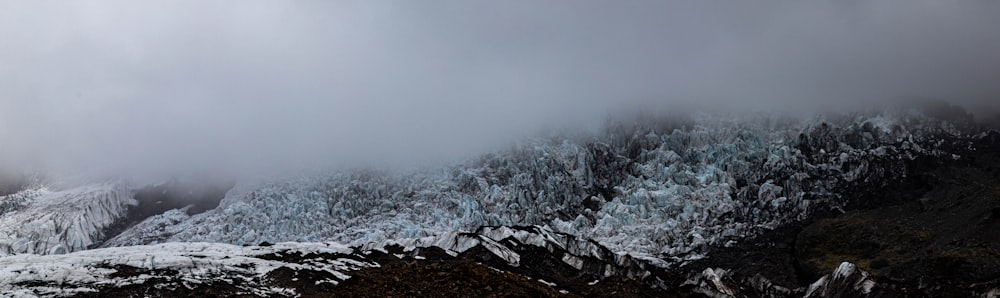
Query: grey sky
point(248, 84)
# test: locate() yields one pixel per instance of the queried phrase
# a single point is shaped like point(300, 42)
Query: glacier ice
point(656, 187)
point(62, 221)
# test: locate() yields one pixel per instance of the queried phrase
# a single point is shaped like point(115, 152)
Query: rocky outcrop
point(846, 281)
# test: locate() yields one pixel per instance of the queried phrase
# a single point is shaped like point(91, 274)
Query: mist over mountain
point(259, 86)
point(500, 149)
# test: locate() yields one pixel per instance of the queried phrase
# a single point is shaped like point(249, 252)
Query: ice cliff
point(43, 221)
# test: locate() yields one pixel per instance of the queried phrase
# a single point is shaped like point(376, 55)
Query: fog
point(245, 86)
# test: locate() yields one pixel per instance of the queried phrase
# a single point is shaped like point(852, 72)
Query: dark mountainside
point(193, 198)
point(12, 183)
point(932, 233)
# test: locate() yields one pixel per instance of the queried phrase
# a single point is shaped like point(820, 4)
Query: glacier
point(633, 201)
point(659, 188)
point(44, 221)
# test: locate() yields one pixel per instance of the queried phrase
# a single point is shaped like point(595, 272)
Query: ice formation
point(847, 280)
point(658, 188)
point(43, 221)
point(654, 193)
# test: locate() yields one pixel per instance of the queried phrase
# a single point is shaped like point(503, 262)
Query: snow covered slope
point(184, 263)
point(661, 188)
point(568, 265)
point(284, 269)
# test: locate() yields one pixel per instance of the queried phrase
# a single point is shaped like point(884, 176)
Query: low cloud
point(259, 85)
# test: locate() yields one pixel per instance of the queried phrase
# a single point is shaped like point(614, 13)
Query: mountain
point(656, 205)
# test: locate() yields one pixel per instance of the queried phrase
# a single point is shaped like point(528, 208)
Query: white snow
point(551, 284)
point(196, 262)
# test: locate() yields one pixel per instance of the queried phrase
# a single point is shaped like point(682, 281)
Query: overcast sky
point(171, 84)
